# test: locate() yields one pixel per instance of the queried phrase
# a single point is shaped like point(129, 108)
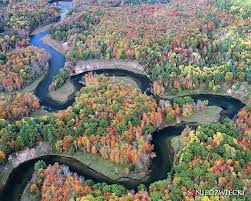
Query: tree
point(170, 118)
point(156, 196)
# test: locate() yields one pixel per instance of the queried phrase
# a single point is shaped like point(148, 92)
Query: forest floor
point(63, 93)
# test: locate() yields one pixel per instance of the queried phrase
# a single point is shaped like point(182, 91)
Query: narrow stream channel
point(56, 62)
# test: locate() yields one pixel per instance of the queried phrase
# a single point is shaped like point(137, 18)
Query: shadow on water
point(161, 165)
point(230, 106)
point(142, 81)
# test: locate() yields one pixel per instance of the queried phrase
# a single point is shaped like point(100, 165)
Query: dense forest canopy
point(115, 3)
point(21, 64)
point(212, 155)
point(183, 46)
point(112, 121)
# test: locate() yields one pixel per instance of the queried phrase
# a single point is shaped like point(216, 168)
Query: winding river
point(56, 62)
point(161, 165)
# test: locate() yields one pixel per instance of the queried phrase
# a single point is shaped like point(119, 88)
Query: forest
point(115, 3)
point(212, 155)
point(114, 122)
point(147, 122)
point(198, 46)
point(18, 106)
point(20, 64)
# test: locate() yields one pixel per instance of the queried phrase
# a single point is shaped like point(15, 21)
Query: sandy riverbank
point(41, 29)
point(58, 46)
point(97, 64)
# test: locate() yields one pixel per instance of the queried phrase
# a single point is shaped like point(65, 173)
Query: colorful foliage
point(112, 121)
point(182, 45)
point(57, 182)
point(59, 80)
point(21, 66)
point(243, 120)
point(115, 3)
point(211, 157)
point(18, 106)
point(20, 18)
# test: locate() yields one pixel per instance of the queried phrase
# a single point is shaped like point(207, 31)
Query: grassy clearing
point(126, 80)
point(105, 167)
point(63, 93)
point(211, 114)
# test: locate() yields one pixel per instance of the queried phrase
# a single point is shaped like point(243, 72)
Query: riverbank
point(100, 64)
point(106, 168)
point(58, 46)
point(209, 115)
point(27, 196)
point(32, 87)
point(88, 162)
point(17, 158)
point(239, 91)
point(63, 93)
point(41, 29)
point(126, 80)
point(27, 89)
point(10, 178)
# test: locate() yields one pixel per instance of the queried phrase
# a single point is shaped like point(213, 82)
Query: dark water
point(230, 106)
point(142, 81)
point(57, 62)
point(161, 165)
